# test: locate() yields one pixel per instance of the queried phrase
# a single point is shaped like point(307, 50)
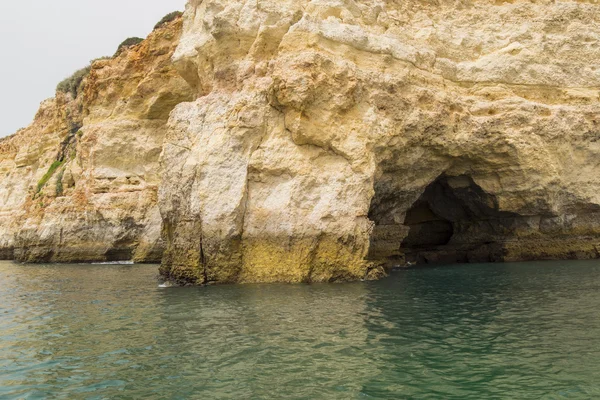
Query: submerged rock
point(318, 141)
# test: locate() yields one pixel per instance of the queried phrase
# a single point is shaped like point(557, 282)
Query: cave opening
point(453, 221)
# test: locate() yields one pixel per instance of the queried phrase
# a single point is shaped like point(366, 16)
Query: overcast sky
point(44, 41)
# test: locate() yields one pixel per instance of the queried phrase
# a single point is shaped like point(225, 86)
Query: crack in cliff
point(245, 202)
point(312, 258)
point(203, 259)
point(178, 145)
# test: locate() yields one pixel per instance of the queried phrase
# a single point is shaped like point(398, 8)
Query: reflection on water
point(522, 331)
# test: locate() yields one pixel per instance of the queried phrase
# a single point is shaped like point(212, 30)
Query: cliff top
point(77, 93)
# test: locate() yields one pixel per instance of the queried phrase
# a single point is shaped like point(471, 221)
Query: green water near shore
point(506, 331)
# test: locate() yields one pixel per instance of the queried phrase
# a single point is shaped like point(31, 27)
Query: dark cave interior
point(454, 221)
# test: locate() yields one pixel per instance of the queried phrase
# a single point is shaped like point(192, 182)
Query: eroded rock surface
point(314, 141)
point(80, 183)
point(319, 124)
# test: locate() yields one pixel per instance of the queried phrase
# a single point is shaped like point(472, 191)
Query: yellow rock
point(322, 127)
point(100, 204)
point(321, 141)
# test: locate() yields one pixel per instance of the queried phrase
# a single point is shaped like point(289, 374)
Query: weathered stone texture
point(100, 204)
point(319, 124)
point(312, 140)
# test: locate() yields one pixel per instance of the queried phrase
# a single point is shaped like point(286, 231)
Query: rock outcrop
point(81, 182)
point(330, 135)
point(321, 140)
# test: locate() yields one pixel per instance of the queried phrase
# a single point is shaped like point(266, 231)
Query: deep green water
point(509, 331)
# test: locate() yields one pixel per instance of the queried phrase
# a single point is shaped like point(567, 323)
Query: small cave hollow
point(453, 221)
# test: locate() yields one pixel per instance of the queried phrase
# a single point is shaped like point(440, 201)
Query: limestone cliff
point(80, 183)
point(321, 140)
point(329, 134)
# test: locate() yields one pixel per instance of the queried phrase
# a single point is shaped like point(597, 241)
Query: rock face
point(81, 182)
point(329, 135)
point(321, 140)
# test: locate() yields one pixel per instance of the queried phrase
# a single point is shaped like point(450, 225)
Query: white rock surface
point(320, 123)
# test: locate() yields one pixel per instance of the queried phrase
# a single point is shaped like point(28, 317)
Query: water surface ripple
point(507, 331)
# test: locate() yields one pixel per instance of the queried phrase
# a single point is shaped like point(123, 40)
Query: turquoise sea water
point(506, 331)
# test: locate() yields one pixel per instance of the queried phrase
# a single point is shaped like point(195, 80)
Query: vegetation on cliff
point(131, 41)
point(55, 165)
point(78, 157)
point(168, 18)
point(73, 83)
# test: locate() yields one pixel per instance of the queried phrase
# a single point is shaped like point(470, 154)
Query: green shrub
point(168, 18)
point(100, 59)
point(132, 41)
point(55, 165)
point(73, 83)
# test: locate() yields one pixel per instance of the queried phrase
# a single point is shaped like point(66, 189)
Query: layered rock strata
point(321, 140)
point(80, 183)
point(329, 135)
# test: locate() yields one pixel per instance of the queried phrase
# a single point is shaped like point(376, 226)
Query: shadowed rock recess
point(323, 140)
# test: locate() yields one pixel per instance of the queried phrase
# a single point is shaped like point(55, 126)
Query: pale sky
point(44, 41)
